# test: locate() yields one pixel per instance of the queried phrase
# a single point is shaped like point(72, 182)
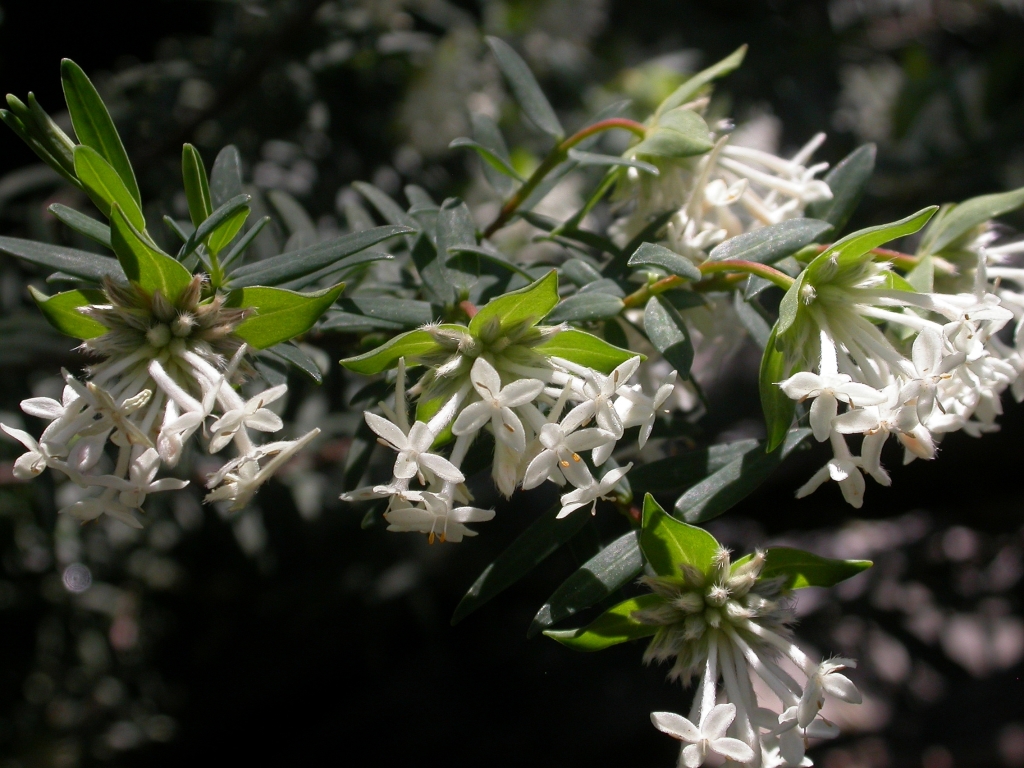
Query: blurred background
point(289, 633)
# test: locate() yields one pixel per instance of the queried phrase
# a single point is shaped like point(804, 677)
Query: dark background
point(333, 643)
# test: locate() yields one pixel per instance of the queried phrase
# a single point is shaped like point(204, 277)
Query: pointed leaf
point(772, 243)
point(82, 224)
point(847, 180)
point(105, 187)
point(281, 315)
point(728, 486)
point(692, 87)
point(490, 158)
point(527, 305)
point(609, 570)
point(197, 186)
point(667, 331)
point(617, 267)
point(540, 539)
point(243, 242)
point(386, 207)
point(806, 569)
point(61, 310)
point(778, 408)
point(487, 133)
point(411, 346)
point(226, 176)
point(227, 219)
point(591, 158)
point(34, 142)
point(970, 213)
point(586, 349)
point(290, 353)
point(293, 264)
point(687, 469)
point(613, 627)
point(654, 255)
point(144, 264)
point(752, 320)
point(678, 133)
point(71, 261)
point(93, 125)
point(586, 308)
point(666, 542)
point(525, 88)
point(383, 312)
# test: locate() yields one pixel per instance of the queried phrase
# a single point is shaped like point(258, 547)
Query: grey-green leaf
point(609, 570)
point(667, 331)
point(847, 180)
point(688, 90)
point(654, 255)
point(82, 224)
point(593, 158)
point(970, 213)
point(527, 92)
point(386, 207)
point(226, 176)
point(82, 264)
point(488, 135)
point(768, 245)
point(491, 159)
point(687, 469)
point(586, 308)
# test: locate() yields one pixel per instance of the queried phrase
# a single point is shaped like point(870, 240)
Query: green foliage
point(197, 186)
point(958, 221)
point(678, 133)
point(280, 315)
point(654, 255)
point(105, 187)
point(805, 569)
point(61, 310)
point(613, 627)
point(667, 331)
point(847, 180)
point(771, 243)
point(409, 345)
point(778, 408)
point(525, 306)
point(82, 224)
point(524, 87)
point(586, 349)
point(145, 265)
point(586, 308)
point(693, 86)
point(666, 543)
point(90, 267)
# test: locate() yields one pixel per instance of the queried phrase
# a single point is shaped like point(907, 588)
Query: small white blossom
point(435, 517)
point(598, 489)
point(413, 449)
point(496, 404)
point(709, 737)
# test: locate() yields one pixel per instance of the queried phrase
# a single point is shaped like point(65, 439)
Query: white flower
point(844, 468)
point(36, 458)
point(560, 459)
point(828, 388)
point(598, 489)
point(793, 737)
point(710, 737)
point(636, 409)
point(413, 449)
point(250, 415)
point(599, 392)
point(141, 472)
point(931, 368)
point(435, 518)
point(826, 678)
point(113, 415)
point(239, 479)
point(496, 405)
point(90, 509)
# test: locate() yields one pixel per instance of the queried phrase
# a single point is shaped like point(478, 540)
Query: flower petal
point(43, 408)
point(823, 410)
point(387, 430)
point(472, 418)
point(676, 726)
point(441, 467)
point(539, 470)
point(734, 749)
point(485, 379)
point(718, 720)
point(521, 392)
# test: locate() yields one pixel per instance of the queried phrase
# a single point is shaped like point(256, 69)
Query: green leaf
point(411, 346)
point(94, 128)
point(666, 543)
point(614, 626)
point(526, 305)
point(847, 180)
point(491, 255)
point(778, 408)
point(666, 330)
point(144, 264)
point(686, 469)
point(969, 214)
point(728, 486)
point(525, 88)
point(222, 235)
point(586, 349)
point(609, 570)
point(540, 539)
point(692, 87)
point(197, 186)
point(586, 308)
point(772, 243)
point(34, 142)
point(244, 241)
point(488, 135)
point(805, 569)
point(456, 229)
point(592, 158)
point(490, 158)
point(580, 272)
point(281, 315)
point(922, 277)
point(61, 310)
point(293, 264)
point(226, 176)
point(618, 266)
point(290, 353)
point(82, 224)
point(386, 207)
point(654, 255)
point(105, 186)
point(88, 266)
point(752, 320)
point(382, 312)
point(678, 133)
point(348, 264)
point(226, 220)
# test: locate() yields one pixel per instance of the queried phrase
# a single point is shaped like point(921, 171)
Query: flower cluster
point(728, 625)
point(169, 369)
point(937, 366)
point(538, 410)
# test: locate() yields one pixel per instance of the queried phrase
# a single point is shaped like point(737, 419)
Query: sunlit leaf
point(88, 266)
point(614, 626)
point(527, 305)
point(773, 242)
point(847, 180)
point(144, 264)
point(61, 310)
point(280, 315)
point(82, 224)
point(805, 569)
point(586, 349)
point(666, 542)
point(667, 331)
point(105, 187)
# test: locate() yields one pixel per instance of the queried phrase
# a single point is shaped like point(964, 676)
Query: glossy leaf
point(586, 308)
point(752, 320)
point(773, 242)
point(105, 187)
point(43, 152)
point(225, 176)
point(144, 264)
point(93, 125)
point(602, 575)
point(618, 266)
point(677, 133)
point(667, 331)
point(61, 310)
point(243, 242)
point(579, 272)
point(806, 569)
point(693, 86)
point(540, 539)
point(409, 345)
point(611, 161)
point(613, 627)
point(969, 214)
point(455, 230)
point(525, 88)
point(197, 186)
point(728, 486)
point(281, 315)
point(778, 408)
point(293, 264)
point(225, 221)
point(290, 353)
point(654, 255)
point(336, 270)
point(526, 305)
point(586, 349)
point(666, 543)
point(387, 312)
point(491, 255)
point(82, 264)
point(847, 180)
point(82, 224)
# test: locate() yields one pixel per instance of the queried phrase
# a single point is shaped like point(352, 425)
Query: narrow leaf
point(82, 264)
point(494, 161)
point(618, 266)
point(687, 469)
point(692, 87)
point(778, 408)
point(490, 255)
point(970, 213)
point(93, 125)
point(612, 161)
point(488, 135)
point(281, 315)
point(226, 217)
point(61, 310)
point(653, 255)
point(847, 180)
point(197, 186)
point(411, 346)
point(386, 207)
point(666, 543)
point(540, 539)
point(602, 575)
point(105, 187)
point(613, 627)
point(82, 224)
point(290, 353)
point(525, 88)
point(243, 242)
point(144, 264)
point(806, 569)
point(226, 176)
point(667, 331)
point(768, 245)
point(586, 349)
point(586, 308)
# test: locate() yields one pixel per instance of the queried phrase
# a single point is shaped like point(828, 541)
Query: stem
point(555, 157)
point(781, 279)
